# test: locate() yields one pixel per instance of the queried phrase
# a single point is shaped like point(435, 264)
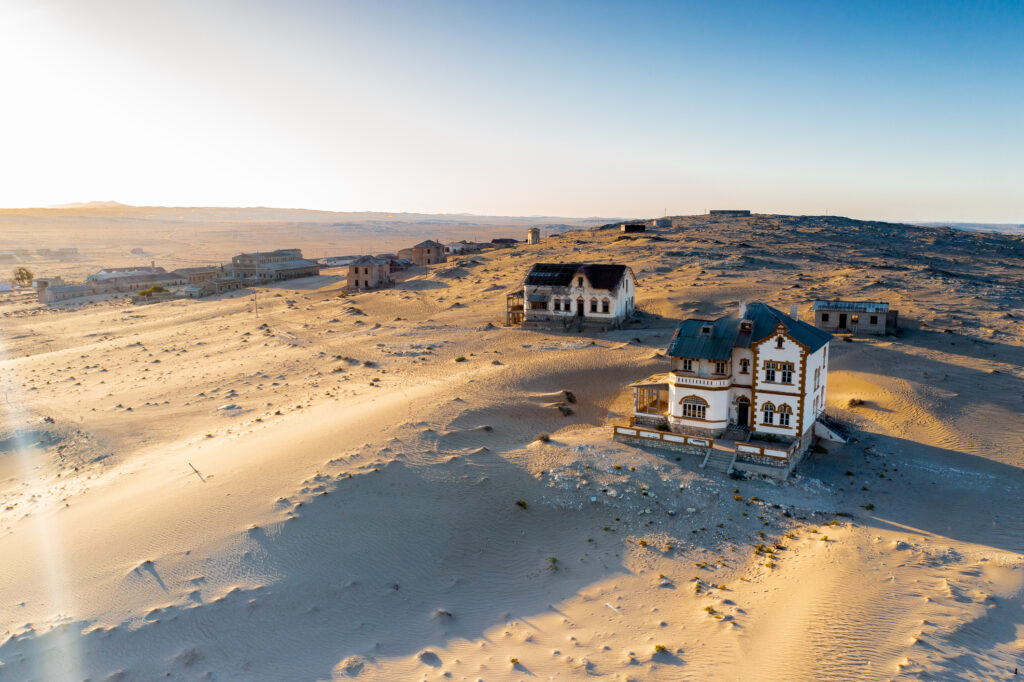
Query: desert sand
point(354, 486)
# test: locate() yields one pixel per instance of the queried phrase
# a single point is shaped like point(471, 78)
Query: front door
point(743, 414)
point(842, 320)
point(579, 306)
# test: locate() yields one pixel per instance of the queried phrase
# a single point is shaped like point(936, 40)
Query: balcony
point(700, 382)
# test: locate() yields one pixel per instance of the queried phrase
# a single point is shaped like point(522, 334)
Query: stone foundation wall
point(662, 445)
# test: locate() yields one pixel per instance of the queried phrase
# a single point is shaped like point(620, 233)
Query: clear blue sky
point(899, 110)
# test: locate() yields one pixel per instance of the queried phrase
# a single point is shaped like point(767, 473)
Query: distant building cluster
point(369, 272)
point(152, 283)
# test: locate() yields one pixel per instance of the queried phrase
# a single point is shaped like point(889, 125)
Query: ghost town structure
point(855, 317)
point(270, 266)
point(533, 235)
point(598, 296)
point(744, 392)
point(368, 272)
point(729, 212)
point(427, 253)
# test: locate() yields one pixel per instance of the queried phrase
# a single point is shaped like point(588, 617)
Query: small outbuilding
point(533, 235)
point(855, 317)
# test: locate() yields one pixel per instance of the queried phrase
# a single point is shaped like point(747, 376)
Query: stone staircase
point(719, 460)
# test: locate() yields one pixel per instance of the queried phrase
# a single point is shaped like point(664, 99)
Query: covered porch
point(650, 399)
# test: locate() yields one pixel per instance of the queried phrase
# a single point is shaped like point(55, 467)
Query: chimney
point(743, 309)
point(794, 311)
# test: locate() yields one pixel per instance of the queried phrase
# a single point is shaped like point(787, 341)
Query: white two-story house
point(762, 372)
point(573, 296)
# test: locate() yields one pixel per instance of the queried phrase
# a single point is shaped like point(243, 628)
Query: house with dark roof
point(855, 317)
point(597, 296)
point(749, 387)
point(369, 272)
point(428, 252)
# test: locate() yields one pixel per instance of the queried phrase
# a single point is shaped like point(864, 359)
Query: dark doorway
point(842, 320)
point(743, 414)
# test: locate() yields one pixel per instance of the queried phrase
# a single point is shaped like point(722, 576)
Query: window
point(874, 319)
point(769, 371)
point(779, 341)
point(558, 305)
point(593, 305)
point(769, 414)
point(744, 366)
point(579, 281)
point(824, 317)
point(604, 305)
point(817, 376)
point(815, 405)
point(687, 365)
point(785, 412)
point(694, 407)
point(719, 368)
point(787, 372)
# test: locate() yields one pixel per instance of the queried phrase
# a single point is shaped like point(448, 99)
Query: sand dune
point(323, 491)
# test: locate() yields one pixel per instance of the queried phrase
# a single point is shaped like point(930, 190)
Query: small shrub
point(869, 506)
point(660, 648)
point(521, 503)
point(514, 660)
point(553, 563)
point(544, 438)
point(460, 359)
point(662, 426)
point(642, 543)
point(738, 498)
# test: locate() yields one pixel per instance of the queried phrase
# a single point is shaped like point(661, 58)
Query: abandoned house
point(368, 272)
point(633, 227)
point(427, 253)
point(597, 296)
point(732, 212)
point(755, 384)
point(855, 317)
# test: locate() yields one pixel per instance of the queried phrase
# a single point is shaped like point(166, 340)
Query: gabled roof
point(852, 306)
point(369, 260)
point(600, 275)
point(429, 244)
point(690, 341)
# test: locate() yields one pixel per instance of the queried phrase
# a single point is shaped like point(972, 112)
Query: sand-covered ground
point(353, 486)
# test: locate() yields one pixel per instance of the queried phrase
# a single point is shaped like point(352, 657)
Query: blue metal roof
point(715, 340)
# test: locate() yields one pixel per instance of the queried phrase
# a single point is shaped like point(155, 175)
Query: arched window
point(779, 341)
point(785, 412)
point(593, 305)
point(768, 413)
point(744, 366)
point(694, 407)
point(604, 305)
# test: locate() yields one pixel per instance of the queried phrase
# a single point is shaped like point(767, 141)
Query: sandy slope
point(355, 512)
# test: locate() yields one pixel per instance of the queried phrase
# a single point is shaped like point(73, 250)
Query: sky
point(886, 110)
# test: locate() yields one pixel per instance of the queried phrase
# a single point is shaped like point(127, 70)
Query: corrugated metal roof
point(288, 265)
point(600, 275)
point(690, 341)
point(852, 306)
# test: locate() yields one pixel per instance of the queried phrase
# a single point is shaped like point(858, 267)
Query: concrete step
point(719, 460)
